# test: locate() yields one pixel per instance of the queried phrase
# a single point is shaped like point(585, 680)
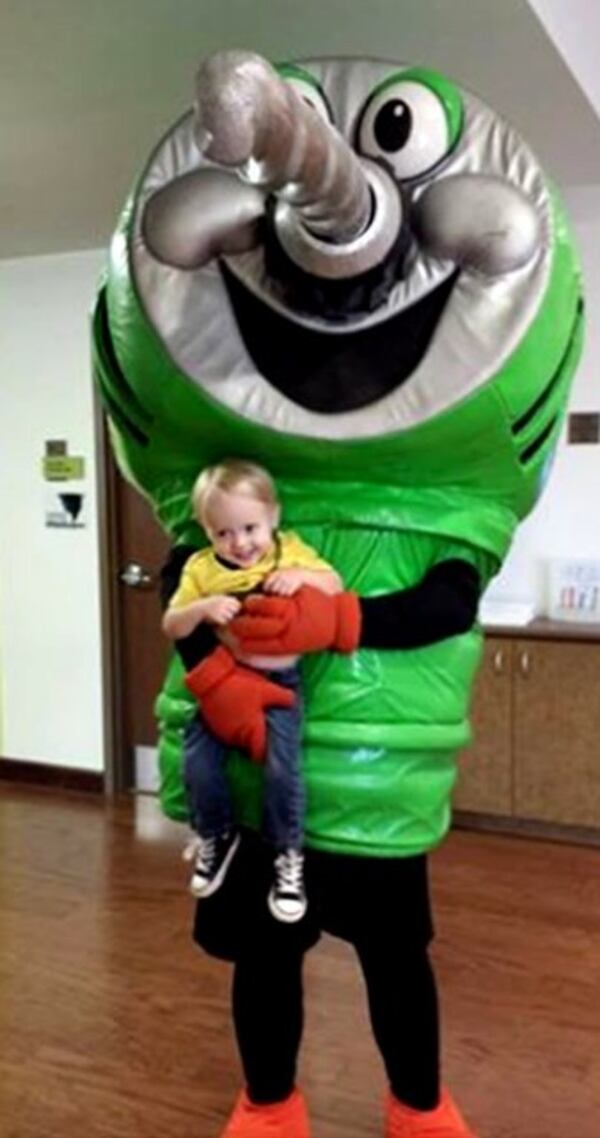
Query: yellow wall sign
point(63, 467)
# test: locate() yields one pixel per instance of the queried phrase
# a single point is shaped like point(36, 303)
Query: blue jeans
point(283, 803)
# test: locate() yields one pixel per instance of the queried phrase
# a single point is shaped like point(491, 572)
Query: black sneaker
point(212, 858)
point(287, 899)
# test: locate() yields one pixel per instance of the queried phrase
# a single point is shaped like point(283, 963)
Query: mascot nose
point(248, 118)
point(344, 259)
point(339, 280)
point(335, 234)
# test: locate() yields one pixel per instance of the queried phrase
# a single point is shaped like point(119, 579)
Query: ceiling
point(86, 90)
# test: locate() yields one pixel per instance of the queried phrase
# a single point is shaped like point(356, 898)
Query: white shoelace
point(288, 866)
point(200, 850)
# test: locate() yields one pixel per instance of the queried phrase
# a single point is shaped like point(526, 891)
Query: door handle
point(136, 576)
point(525, 664)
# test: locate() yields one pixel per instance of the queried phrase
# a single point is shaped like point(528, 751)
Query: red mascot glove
point(307, 622)
point(233, 700)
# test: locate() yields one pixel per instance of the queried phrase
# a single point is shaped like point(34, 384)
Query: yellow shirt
point(204, 575)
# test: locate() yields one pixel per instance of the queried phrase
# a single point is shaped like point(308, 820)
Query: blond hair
point(233, 474)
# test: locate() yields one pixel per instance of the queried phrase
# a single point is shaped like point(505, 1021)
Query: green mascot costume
point(355, 274)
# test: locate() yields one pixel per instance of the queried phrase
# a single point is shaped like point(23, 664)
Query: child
point(236, 504)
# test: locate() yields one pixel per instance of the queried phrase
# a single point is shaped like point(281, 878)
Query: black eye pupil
point(393, 124)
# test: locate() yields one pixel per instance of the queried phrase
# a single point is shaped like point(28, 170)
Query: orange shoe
point(287, 1119)
point(443, 1122)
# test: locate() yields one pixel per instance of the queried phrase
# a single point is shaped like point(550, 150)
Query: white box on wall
point(573, 590)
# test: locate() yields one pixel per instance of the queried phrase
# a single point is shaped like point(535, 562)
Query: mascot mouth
point(342, 372)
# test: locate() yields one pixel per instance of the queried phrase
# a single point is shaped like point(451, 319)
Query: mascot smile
point(353, 272)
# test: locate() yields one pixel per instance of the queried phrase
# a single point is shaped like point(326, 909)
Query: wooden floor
point(112, 1025)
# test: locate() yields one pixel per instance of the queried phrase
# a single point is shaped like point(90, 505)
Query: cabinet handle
point(499, 662)
point(525, 664)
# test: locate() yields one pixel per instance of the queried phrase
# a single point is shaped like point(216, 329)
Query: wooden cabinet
point(485, 783)
point(536, 719)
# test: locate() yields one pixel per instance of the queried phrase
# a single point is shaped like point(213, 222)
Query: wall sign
point(60, 466)
point(65, 508)
point(584, 427)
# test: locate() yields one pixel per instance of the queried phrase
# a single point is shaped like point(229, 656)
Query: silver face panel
point(453, 212)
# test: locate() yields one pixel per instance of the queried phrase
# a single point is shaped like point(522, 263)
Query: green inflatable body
point(397, 461)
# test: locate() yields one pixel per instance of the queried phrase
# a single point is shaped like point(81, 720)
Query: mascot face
point(360, 251)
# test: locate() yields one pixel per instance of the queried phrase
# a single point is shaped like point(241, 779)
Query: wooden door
point(557, 731)
point(139, 651)
point(485, 769)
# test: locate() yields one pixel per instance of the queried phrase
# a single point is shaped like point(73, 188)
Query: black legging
point(268, 1017)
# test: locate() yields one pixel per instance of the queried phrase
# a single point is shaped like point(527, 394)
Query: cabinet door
point(557, 732)
point(485, 769)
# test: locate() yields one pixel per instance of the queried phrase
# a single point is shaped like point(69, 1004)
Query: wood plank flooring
point(112, 1025)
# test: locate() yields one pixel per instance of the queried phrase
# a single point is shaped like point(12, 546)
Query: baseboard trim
point(43, 774)
point(526, 828)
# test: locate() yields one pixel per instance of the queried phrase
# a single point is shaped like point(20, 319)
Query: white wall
point(574, 29)
point(566, 523)
point(50, 667)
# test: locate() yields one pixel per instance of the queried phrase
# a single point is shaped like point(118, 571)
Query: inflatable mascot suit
point(354, 273)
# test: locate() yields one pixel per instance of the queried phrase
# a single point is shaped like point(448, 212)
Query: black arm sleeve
point(202, 640)
point(444, 603)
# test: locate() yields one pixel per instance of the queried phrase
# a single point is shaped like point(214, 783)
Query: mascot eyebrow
point(307, 86)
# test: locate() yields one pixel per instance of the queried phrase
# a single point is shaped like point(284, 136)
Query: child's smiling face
point(239, 526)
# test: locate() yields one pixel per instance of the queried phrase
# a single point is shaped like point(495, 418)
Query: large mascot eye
point(307, 87)
point(411, 121)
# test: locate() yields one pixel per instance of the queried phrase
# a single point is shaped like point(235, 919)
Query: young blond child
point(236, 504)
